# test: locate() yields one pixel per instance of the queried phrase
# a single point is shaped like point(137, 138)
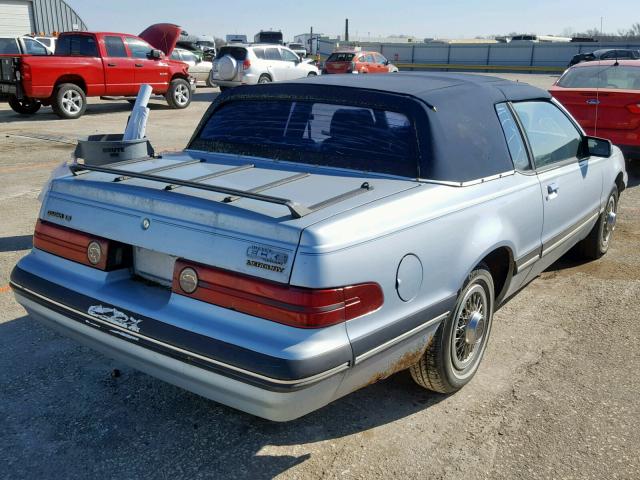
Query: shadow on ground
point(135, 426)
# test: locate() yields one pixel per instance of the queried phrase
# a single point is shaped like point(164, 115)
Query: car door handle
point(552, 191)
point(111, 65)
point(139, 65)
point(593, 101)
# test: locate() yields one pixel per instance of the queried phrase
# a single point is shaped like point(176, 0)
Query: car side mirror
point(596, 147)
point(386, 62)
point(155, 54)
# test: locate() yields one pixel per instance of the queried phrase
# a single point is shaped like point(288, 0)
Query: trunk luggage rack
point(297, 210)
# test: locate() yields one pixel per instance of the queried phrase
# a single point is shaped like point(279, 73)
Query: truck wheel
point(452, 358)
point(26, 106)
point(179, 94)
point(597, 242)
point(69, 101)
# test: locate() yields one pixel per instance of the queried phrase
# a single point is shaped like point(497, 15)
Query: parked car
point(349, 61)
point(250, 64)
point(317, 236)
point(198, 69)
point(13, 46)
point(604, 98)
point(203, 46)
point(606, 54)
point(95, 64)
point(236, 38)
point(299, 49)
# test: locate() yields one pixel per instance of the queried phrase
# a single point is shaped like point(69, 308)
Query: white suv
point(257, 63)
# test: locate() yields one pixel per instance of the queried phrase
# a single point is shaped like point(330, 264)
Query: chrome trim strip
point(469, 182)
point(111, 326)
point(559, 242)
point(399, 338)
point(527, 263)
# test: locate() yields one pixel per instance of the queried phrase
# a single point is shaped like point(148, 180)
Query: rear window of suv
point(326, 134)
point(341, 57)
point(239, 53)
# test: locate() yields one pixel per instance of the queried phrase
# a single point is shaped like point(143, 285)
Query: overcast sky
point(422, 18)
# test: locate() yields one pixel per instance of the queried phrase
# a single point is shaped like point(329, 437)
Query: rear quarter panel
point(450, 230)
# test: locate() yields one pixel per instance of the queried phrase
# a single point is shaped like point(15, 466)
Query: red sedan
point(350, 61)
point(604, 97)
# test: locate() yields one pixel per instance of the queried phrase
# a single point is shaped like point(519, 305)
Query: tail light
point(246, 64)
point(634, 108)
point(294, 306)
point(26, 71)
point(90, 250)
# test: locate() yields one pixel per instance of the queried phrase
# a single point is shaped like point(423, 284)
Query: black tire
point(179, 94)
point(69, 101)
point(441, 369)
point(264, 78)
point(224, 89)
point(26, 106)
point(596, 244)
point(312, 74)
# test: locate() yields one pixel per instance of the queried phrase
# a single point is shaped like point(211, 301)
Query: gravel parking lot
point(557, 395)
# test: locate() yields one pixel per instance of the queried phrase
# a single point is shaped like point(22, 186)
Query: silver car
point(198, 69)
point(236, 65)
point(320, 235)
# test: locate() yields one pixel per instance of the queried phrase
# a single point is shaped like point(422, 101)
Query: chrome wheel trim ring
point(609, 223)
point(472, 313)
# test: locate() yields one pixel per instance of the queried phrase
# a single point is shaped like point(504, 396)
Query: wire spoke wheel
point(470, 326)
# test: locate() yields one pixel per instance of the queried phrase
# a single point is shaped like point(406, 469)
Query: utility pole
point(346, 30)
point(601, 26)
point(311, 52)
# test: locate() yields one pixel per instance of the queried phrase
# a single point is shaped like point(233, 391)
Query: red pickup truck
point(91, 64)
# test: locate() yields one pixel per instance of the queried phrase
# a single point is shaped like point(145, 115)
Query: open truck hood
point(245, 235)
point(162, 36)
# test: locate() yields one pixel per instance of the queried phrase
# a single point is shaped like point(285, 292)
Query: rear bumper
point(269, 404)
point(279, 382)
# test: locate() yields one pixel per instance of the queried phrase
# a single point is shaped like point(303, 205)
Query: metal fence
point(532, 57)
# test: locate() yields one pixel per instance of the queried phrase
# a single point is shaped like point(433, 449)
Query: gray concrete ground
point(556, 396)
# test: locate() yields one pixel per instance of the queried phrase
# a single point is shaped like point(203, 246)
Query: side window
point(380, 59)
point(272, 54)
point(138, 48)
point(8, 46)
point(552, 136)
point(362, 59)
point(34, 48)
point(259, 52)
point(288, 56)
point(115, 47)
point(515, 143)
point(77, 45)
point(370, 59)
point(189, 57)
point(175, 55)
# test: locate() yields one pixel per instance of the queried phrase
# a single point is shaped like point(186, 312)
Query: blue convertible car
point(316, 236)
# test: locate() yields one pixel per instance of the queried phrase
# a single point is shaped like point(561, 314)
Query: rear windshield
point(317, 133)
point(77, 45)
point(239, 53)
point(611, 76)
point(8, 46)
point(340, 57)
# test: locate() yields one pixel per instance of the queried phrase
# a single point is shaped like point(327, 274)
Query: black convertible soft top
point(459, 132)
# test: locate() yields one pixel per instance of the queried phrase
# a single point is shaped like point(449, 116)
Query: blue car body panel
point(418, 238)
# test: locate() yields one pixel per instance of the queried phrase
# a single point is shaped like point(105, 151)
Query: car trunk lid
point(246, 235)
